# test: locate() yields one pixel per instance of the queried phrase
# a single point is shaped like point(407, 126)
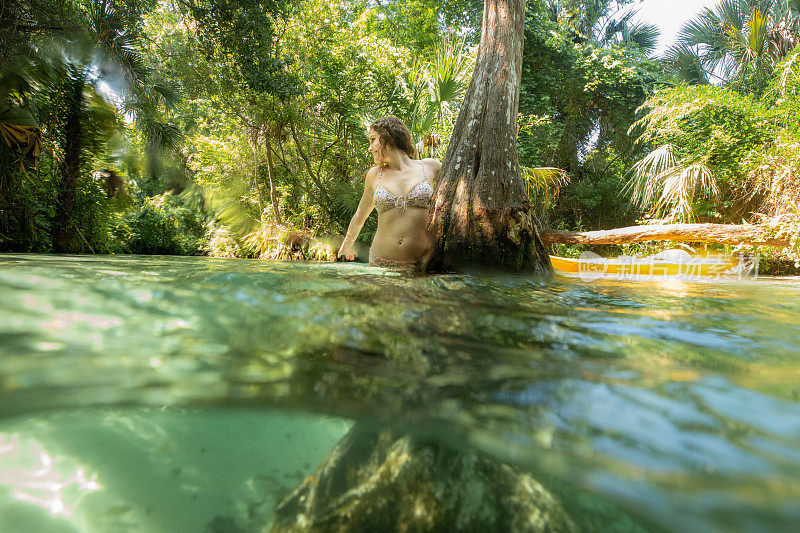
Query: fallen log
point(717, 233)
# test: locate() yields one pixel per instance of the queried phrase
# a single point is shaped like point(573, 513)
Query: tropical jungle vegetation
point(238, 127)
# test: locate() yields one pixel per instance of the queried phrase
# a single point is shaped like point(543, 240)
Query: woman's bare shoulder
point(371, 179)
point(433, 165)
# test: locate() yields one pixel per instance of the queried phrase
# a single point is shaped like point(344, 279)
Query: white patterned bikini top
point(419, 196)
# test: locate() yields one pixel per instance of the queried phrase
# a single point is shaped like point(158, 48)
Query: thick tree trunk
point(254, 134)
point(716, 233)
point(271, 174)
point(64, 239)
point(481, 214)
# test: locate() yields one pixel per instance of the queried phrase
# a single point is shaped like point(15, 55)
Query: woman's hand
point(347, 251)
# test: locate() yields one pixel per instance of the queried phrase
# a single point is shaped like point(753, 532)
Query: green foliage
point(316, 141)
point(413, 24)
point(748, 143)
point(775, 170)
point(420, 24)
point(166, 224)
point(543, 185)
point(593, 200)
point(738, 40)
point(432, 90)
point(151, 232)
point(581, 87)
point(264, 106)
point(244, 30)
point(73, 72)
point(668, 187)
point(221, 242)
point(705, 139)
point(26, 209)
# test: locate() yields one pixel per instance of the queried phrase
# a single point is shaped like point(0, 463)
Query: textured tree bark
point(63, 238)
point(254, 139)
point(271, 174)
point(379, 481)
point(716, 233)
point(481, 215)
point(71, 166)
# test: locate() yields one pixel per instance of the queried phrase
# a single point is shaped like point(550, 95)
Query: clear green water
point(183, 394)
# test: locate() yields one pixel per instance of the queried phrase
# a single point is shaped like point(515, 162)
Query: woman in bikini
point(401, 189)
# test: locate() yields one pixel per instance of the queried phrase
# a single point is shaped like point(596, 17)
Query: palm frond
point(346, 197)
point(616, 26)
point(667, 187)
point(415, 87)
point(14, 82)
point(709, 33)
point(703, 30)
point(169, 96)
point(451, 68)
point(680, 185)
point(734, 13)
point(161, 137)
point(644, 35)
point(756, 41)
point(739, 38)
point(647, 175)
point(541, 180)
point(20, 130)
point(684, 63)
point(625, 30)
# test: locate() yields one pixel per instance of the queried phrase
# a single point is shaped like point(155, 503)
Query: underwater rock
point(223, 524)
point(378, 482)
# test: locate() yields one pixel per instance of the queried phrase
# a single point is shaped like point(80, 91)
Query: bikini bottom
point(374, 260)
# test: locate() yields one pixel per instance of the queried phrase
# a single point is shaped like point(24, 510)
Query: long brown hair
point(394, 132)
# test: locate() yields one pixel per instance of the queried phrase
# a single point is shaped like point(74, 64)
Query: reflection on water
point(676, 401)
point(32, 472)
point(151, 470)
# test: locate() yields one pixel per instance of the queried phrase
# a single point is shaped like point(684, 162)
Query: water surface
point(177, 394)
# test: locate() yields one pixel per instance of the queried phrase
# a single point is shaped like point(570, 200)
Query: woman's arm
point(365, 207)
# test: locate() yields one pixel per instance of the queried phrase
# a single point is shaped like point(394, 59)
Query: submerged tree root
point(379, 482)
